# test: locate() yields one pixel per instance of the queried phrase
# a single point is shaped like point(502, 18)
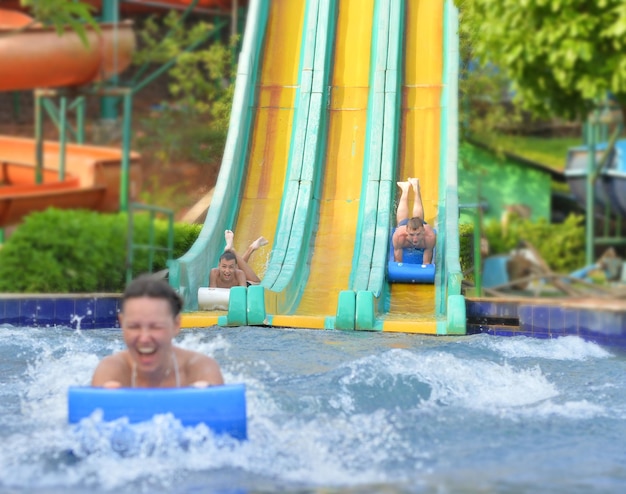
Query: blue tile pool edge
point(602, 323)
point(543, 318)
point(76, 311)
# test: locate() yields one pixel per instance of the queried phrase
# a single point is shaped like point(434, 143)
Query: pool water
point(330, 412)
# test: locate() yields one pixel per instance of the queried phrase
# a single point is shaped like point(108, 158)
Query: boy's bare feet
point(415, 183)
point(259, 242)
point(404, 186)
point(230, 237)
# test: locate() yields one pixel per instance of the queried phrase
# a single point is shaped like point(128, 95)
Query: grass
point(550, 152)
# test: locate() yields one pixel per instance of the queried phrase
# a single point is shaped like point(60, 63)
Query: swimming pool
point(333, 412)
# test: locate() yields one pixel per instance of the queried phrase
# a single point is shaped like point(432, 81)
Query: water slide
point(335, 101)
point(36, 57)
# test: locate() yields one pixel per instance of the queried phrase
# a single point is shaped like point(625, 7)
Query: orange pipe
point(39, 57)
point(137, 6)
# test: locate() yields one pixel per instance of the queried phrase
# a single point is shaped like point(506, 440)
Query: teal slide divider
point(369, 264)
point(450, 304)
point(289, 267)
point(381, 149)
point(191, 271)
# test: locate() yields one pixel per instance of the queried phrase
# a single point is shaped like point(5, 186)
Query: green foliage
point(562, 245)
point(170, 135)
point(485, 104)
point(561, 55)
point(547, 151)
point(466, 245)
point(199, 79)
point(63, 13)
point(191, 127)
point(74, 251)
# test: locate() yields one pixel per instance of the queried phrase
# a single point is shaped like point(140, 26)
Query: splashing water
point(327, 412)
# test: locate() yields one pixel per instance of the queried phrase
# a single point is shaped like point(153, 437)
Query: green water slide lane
point(380, 165)
point(449, 301)
point(191, 271)
point(287, 272)
point(370, 254)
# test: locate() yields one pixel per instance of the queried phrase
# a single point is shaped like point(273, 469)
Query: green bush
point(466, 245)
point(77, 251)
point(561, 245)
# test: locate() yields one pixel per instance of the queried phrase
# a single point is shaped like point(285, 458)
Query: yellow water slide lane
point(419, 144)
point(271, 136)
point(341, 185)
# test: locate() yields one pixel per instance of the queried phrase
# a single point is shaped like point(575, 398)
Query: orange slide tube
point(37, 56)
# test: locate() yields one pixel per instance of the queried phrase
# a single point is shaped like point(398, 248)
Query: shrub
point(74, 251)
point(466, 245)
point(561, 245)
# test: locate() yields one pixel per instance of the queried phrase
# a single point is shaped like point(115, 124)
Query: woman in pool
point(150, 320)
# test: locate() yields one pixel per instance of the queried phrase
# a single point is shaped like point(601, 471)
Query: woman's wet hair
point(148, 286)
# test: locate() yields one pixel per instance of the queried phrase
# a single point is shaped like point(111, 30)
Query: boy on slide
point(233, 269)
point(412, 232)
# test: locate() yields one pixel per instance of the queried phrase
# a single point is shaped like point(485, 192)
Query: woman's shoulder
point(198, 368)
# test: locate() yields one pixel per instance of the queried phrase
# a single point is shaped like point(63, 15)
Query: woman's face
point(148, 327)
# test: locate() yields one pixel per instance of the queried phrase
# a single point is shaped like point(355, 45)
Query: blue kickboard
point(221, 408)
point(411, 270)
point(399, 272)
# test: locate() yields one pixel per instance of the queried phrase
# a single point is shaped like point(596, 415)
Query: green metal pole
point(124, 186)
point(129, 247)
point(62, 136)
point(110, 14)
point(51, 110)
point(80, 120)
point(38, 139)
point(478, 279)
point(589, 216)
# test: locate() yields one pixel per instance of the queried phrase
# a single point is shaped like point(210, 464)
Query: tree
point(562, 56)
point(62, 13)
point(201, 81)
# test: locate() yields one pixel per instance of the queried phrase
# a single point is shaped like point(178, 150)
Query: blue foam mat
point(411, 270)
point(221, 408)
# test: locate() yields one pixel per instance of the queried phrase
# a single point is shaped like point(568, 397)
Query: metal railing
point(151, 246)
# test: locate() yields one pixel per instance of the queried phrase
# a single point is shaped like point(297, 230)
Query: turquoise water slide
point(331, 109)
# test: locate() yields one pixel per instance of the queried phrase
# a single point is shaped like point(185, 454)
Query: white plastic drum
point(213, 298)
